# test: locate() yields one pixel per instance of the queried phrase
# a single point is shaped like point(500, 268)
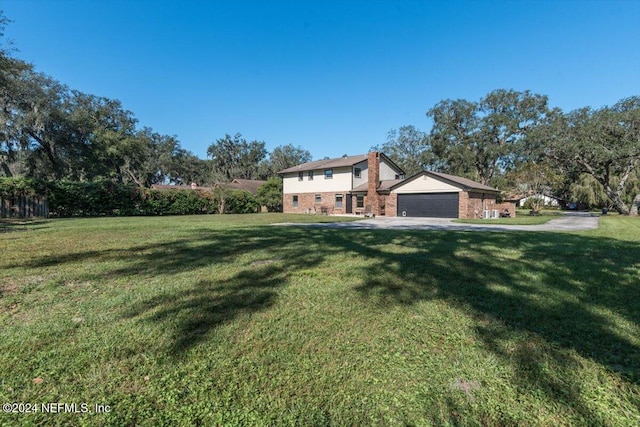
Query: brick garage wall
point(307, 203)
point(469, 205)
point(472, 204)
point(391, 204)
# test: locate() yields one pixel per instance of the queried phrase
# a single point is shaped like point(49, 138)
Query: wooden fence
point(24, 207)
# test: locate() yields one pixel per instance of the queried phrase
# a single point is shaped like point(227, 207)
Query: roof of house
point(458, 181)
point(336, 163)
point(250, 185)
point(383, 185)
point(542, 195)
point(326, 164)
point(170, 187)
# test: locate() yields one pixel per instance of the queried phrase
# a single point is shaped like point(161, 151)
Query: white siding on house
point(343, 178)
point(548, 201)
point(364, 174)
point(426, 184)
point(341, 181)
point(387, 171)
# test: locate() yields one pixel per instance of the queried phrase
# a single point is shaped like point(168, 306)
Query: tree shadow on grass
point(245, 268)
point(200, 249)
point(196, 311)
point(8, 225)
point(548, 283)
point(562, 292)
point(566, 293)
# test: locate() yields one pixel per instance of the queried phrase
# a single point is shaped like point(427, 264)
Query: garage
point(431, 205)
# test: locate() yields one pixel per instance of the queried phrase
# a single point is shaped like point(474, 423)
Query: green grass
point(522, 218)
point(227, 320)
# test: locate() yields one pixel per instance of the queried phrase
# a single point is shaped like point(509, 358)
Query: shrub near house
point(106, 198)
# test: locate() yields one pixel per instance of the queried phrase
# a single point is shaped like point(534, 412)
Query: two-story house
point(338, 185)
point(373, 184)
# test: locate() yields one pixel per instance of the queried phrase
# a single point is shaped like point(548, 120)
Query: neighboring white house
point(547, 200)
point(373, 184)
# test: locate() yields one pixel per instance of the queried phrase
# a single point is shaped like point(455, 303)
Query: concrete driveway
point(570, 221)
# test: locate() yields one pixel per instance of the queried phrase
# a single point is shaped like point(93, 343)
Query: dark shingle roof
point(170, 187)
point(472, 185)
point(250, 185)
point(458, 181)
point(383, 185)
point(326, 164)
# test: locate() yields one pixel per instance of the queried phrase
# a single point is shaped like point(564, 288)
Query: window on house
point(300, 176)
point(294, 201)
point(360, 201)
point(328, 173)
point(310, 175)
point(318, 198)
point(338, 200)
point(357, 172)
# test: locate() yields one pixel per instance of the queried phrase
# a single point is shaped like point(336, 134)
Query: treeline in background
point(92, 153)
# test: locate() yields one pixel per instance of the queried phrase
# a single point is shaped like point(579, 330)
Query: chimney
point(373, 199)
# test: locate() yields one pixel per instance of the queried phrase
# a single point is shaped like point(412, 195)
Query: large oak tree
point(482, 139)
point(604, 143)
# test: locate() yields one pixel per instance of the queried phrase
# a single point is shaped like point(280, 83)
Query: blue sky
point(330, 76)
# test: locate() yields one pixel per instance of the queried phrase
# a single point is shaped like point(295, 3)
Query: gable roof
point(458, 181)
point(326, 164)
point(170, 187)
point(250, 185)
point(383, 185)
point(337, 163)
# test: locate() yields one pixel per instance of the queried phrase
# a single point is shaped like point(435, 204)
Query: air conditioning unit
point(495, 213)
point(486, 214)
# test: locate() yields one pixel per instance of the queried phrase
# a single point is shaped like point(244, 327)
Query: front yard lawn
point(227, 320)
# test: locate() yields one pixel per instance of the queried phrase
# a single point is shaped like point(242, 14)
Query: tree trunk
point(5, 168)
point(618, 204)
point(49, 152)
point(635, 206)
point(133, 177)
point(614, 195)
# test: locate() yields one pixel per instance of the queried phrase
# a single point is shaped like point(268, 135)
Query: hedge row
point(105, 198)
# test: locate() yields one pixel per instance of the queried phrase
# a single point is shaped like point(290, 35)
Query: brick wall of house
point(472, 204)
point(466, 206)
point(307, 203)
point(354, 205)
point(391, 204)
point(373, 199)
